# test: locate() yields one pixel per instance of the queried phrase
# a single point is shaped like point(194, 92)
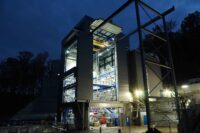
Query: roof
point(105, 32)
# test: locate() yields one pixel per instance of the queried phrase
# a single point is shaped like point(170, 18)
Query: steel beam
point(149, 22)
point(144, 71)
point(148, 66)
point(159, 82)
point(158, 64)
point(173, 72)
point(114, 14)
point(150, 8)
point(153, 34)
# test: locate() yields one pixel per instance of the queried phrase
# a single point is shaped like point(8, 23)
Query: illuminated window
point(104, 75)
point(69, 80)
point(69, 95)
point(71, 56)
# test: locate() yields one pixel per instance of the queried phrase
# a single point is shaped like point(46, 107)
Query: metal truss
point(165, 63)
point(162, 50)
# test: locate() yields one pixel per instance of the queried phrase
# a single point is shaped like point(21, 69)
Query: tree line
point(184, 43)
point(22, 74)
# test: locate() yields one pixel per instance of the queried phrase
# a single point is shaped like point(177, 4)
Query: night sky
point(40, 25)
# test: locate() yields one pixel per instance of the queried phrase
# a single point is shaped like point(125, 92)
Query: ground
point(133, 129)
point(50, 129)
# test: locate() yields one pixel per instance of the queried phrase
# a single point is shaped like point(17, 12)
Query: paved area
point(134, 129)
point(45, 129)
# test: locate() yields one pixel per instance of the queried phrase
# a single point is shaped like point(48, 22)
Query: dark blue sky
point(40, 25)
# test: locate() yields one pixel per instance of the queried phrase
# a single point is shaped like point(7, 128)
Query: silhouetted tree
point(22, 74)
point(191, 23)
point(190, 31)
point(184, 43)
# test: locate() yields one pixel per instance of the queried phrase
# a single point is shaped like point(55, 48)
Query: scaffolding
point(165, 63)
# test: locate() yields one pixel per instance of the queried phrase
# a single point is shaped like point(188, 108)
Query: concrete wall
point(122, 69)
point(85, 66)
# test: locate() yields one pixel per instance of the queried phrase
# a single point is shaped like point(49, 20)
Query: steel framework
point(161, 50)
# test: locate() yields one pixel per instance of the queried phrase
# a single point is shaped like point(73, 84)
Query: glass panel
point(109, 59)
point(104, 94)
point(68, 118)
point(69, 80)
point(104, 75)
point(69, 95)
point(103, 116)
point(71, 56)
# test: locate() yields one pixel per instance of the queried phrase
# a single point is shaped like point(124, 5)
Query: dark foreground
point(54, 129)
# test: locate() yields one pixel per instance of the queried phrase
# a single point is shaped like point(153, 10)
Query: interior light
point(184, 86)
point(106, 43)
point(100, 54)
point(94, 74)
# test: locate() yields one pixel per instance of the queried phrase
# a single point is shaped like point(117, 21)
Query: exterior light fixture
point(152, 100)
point(138, 93)
point(167, 93)
point(184, 86)
point(129, 96)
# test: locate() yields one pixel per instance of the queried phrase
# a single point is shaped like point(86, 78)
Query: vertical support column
point(85, 120)
point(172, 69)
point(83, 117)
point(78, 112)
point(84, 66)
point(144, 73)
point(86, 115)
point(122, 69)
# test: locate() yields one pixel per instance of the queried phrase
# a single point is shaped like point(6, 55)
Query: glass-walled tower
point(95, 86)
